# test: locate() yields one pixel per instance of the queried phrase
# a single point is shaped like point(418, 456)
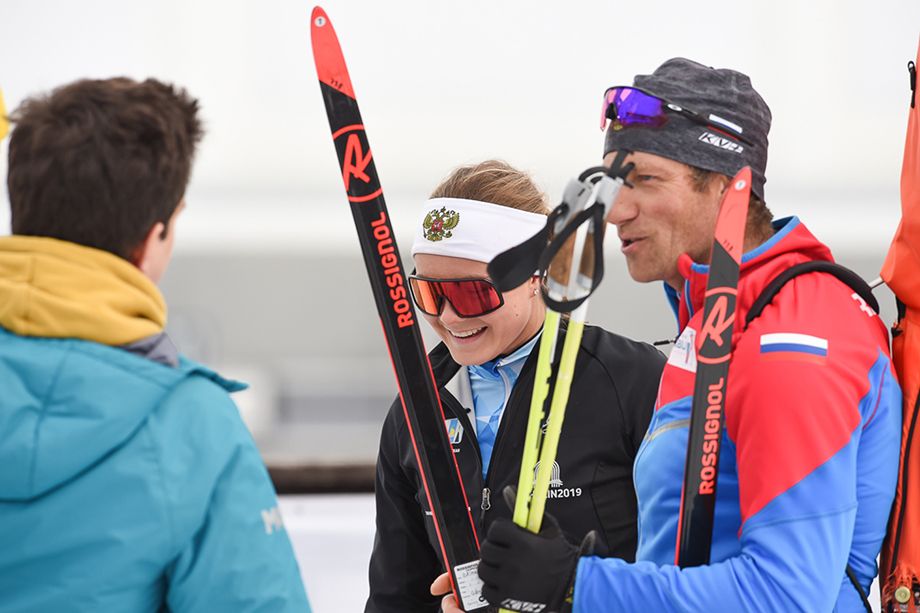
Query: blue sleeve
point(782, 567)
point(794, 549)
point(232, 550)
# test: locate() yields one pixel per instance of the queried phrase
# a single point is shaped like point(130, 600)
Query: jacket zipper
point(508, 423)
point(454, 406)
point(447, 400)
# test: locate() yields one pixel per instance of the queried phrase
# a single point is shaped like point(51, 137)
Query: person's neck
point(753, 238)
point(527, 335)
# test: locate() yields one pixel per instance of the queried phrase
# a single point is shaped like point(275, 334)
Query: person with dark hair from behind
point(129, 481)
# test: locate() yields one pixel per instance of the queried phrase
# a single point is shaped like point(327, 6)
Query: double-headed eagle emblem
point(439, 224)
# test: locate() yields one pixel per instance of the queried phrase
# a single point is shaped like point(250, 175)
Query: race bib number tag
point(469, 586)
point(683, 355)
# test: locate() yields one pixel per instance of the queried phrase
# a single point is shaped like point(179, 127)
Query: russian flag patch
point(792, 346)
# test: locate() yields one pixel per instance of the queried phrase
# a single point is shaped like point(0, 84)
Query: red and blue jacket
point(809, 456)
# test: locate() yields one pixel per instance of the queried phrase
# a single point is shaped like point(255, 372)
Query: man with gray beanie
point(812, 417)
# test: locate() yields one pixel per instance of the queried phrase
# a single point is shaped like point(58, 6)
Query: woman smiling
point(484, 369)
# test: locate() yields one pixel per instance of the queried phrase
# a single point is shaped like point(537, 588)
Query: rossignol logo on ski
point(557, 489)
point(715, 331)
point(711, 442)
point(439, 224)
point(389, 261)
point(721, 142)
point(355, 157)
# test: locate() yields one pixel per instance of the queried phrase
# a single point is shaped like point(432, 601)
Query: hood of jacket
point(71, 396)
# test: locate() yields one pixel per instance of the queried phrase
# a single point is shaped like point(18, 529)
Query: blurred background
point(268, 284)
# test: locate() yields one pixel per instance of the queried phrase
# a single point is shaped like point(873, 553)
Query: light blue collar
point(514, 361)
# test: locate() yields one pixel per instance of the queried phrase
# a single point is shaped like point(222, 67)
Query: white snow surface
point(333, 536)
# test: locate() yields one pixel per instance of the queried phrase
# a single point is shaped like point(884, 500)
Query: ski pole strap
point(595, 216)
point(513, 267)
point(844, 274)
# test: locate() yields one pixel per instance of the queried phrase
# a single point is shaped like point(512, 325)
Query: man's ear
point(153, 255)
point(722, 181)
point(148, 257)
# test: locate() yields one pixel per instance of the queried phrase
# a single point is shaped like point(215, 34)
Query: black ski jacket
point(610, 405)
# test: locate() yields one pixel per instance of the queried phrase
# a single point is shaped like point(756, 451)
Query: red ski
point(714, 349)
point(424, 415)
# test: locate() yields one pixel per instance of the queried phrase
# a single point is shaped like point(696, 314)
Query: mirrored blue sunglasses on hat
point(630, 106)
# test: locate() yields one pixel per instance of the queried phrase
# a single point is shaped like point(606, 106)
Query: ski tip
point(733, 214)
point(742, 180)
point(327, 53)
point(318, 12)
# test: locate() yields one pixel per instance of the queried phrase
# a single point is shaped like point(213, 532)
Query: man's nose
point(624, 207)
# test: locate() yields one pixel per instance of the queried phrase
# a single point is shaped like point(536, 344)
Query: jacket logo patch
point(556, 487)
point(865, 308)
point(454, 430)
point(271, 518)
point(439, 224)
point(683, 355)
point(793, 346)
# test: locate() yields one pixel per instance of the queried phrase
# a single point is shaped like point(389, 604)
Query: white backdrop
point(442, 83)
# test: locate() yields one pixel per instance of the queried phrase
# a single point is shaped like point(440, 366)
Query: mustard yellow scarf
point(53, 288)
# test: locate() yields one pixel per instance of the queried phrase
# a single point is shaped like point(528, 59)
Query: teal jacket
point(129, 484)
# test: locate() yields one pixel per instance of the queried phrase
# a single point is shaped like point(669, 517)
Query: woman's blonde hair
point(494, 181)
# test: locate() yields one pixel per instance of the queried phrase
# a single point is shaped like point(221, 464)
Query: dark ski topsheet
point(714, 347)
point(424, 415)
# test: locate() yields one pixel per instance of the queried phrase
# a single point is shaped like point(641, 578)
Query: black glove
point(523, 571)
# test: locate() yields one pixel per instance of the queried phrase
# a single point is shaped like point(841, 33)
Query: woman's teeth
point(468, 333)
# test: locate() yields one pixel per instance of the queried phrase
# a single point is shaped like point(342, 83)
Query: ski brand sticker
point(454, 430)
point(683, 355)
point(439, 224)
point(357, 163)
point(389, 262)
point(469, 586)
point(716, 330)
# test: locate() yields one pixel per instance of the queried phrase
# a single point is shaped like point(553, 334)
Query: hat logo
point(439, 224)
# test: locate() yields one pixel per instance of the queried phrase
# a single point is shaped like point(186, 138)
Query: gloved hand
point(523, 571)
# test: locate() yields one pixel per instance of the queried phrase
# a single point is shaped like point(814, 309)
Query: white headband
point(472, 229)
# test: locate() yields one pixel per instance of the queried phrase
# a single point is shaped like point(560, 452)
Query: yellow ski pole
point(568, 283)
point(533, 437)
